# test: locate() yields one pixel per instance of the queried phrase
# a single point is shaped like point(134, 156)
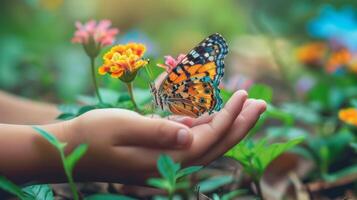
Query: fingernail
point(263, 108)
point(182, 137)
point(178, 118)
point(245, 93)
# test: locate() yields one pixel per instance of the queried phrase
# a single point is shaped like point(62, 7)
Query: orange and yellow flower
point(123, 59)
point(348, 115)
point(312, 53)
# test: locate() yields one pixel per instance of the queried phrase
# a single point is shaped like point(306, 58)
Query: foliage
point(214, 183)
point(33, 192)
point(36, 60)
point(68, 161)
point(256, 156)
point(172, 176)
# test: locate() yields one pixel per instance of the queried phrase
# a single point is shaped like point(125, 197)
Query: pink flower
point(171, 62)
point(100, 32)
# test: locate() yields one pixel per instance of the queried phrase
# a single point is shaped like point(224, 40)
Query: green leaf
point(320, 93)
point(268, 154)
point(188, 170)
point(255, 157)
point(11, 188)
point(261, 91)
point(39, 192)
point(348, 171)
point(85, 109)
point(216, 197)
point(76, 154)
point(183, 185)
point(233, 194)
point(66, 116)
point(159, 183)
point(214, 183)
point(123, 97)
point(50, 138)
point(167, 168)
point(108, 197)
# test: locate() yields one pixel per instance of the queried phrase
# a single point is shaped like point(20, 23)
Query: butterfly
point(191, 87)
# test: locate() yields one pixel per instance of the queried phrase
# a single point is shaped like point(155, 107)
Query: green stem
point(94, 79)
point(131, 94)
point(171, 196)
point(258, 188)
point(69, 177)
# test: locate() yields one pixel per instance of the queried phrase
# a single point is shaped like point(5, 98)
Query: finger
point(206, 135)
point(246, 103)
point(155, 133)
point(223, 119)
point(244, 122)
point(191, 122)
point(206, 118)
point(188, 121)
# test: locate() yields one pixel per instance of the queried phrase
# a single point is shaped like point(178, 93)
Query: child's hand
point(124, 146)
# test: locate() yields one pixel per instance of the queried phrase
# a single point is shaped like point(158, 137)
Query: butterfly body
point(191, 88)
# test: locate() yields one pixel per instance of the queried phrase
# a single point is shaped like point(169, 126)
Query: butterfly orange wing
point(191, 88)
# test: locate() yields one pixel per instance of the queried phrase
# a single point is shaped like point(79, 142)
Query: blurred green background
point(38, 60)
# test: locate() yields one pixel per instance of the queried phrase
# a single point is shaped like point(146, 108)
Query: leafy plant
point(255, 157)
point(324, 150)
point(68, 161)
point(172, 176)
point(39, 192)
point(33, 192)
point(12, 188)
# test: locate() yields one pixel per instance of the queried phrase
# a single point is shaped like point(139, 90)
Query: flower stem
point(94, 79)
point(131, 94)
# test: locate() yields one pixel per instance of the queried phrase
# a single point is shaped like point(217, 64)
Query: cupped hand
point(124, 146)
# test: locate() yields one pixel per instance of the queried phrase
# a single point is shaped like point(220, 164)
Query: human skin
point(124, 145)
point(17, 110)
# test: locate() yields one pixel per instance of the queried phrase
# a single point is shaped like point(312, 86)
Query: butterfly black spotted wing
point(191, 88)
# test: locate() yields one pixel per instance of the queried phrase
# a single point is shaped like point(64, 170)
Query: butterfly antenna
point(149, 71)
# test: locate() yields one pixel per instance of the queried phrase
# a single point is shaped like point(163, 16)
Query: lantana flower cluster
point(123, 58)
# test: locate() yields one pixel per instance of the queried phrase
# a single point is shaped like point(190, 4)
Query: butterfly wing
point(193, 98)
point(213, 50)
point(191, 88)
